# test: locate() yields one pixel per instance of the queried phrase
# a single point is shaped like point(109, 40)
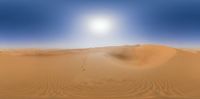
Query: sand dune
point(126, 72)
point(144, 56)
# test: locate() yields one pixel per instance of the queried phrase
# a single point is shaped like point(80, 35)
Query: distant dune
point(144, 56)
point(121, 72)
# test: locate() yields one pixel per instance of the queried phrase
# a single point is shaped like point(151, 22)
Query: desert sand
point(121, 72)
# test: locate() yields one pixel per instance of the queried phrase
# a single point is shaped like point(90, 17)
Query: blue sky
point(58, 23)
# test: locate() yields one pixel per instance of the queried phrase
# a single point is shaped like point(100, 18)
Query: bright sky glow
point(100, 25)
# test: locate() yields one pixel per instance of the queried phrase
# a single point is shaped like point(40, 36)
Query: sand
point(123, 72)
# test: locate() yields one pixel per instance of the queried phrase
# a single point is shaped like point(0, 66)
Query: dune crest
point(144, 55)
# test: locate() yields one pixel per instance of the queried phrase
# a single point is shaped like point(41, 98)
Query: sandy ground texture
point(124, 72)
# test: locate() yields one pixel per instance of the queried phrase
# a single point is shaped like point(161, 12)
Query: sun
point(100, 25)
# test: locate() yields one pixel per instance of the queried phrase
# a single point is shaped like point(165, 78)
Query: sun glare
point(100, 25)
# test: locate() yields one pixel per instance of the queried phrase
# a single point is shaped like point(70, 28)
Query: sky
point(62, 23)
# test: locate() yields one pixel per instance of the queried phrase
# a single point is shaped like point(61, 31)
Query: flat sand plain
point(123, 72)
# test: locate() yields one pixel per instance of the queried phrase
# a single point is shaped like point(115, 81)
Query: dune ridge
point(145, 55)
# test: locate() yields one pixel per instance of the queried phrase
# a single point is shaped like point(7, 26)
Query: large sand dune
point(126, 72)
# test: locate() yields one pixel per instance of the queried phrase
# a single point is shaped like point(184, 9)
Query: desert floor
point(126, 72)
